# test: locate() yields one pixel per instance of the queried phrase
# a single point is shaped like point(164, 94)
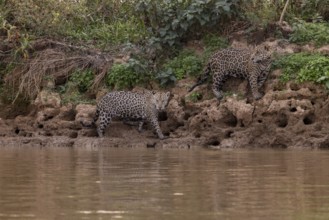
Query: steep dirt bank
point(287, 116)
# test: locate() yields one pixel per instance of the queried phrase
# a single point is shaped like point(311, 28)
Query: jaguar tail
point(202, 79)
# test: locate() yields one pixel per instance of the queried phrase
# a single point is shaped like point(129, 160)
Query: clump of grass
point(304, 32)
point(187, 63)
point(303, 67)
point(128, 75)
point(195, 96)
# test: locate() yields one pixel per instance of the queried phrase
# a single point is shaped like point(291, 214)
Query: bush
point(260, 13)
point(82, 80)
point(313, 9)
point(304, 67)
point(213, 42)
point(318, 33)
point(98, 22)
point(171, 22)
point(185, 64)
point(128, 75)
point(315, 69)
point(43, 16)
point(103, 34)
point(195, 96)
point(166, 77)
point(71, 94)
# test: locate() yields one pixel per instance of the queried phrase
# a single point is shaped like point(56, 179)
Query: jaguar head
point(261, 54)
point(161, 100)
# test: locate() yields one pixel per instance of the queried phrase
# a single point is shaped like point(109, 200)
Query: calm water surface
point(142, 184)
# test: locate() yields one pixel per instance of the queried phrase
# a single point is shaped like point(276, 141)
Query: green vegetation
point(185, 64)
point(127, 75)
point(304, 67)
point(195, 96)
point(103, 35)
point(170, 22)
point(83, 21)
point(166, 77)
point(214, 42)
point(312, 10)
point(261, 13)
point(82, 80)
point(71, 94)
point(148, 32)
point(318, 33)
point(78, 86)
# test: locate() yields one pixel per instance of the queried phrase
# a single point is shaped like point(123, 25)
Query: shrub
point(82, 80)
point(128, 75)
point(166, 77)
point(74, 90)
point(313, 9)
point(304, 67)
point(70, 94)
point(260, 13)
point(98, 22)
point(195, 96)
point(315, 69)
point(214, 42)
point(318, 33)
point(185, 64)
point(171, 22)
point(103, 34)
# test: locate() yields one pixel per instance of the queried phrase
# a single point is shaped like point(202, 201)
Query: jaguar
point(251, 64)
point(131, 106)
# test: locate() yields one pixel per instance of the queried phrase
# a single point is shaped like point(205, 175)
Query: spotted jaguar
point(251, 64)
point(131, 106)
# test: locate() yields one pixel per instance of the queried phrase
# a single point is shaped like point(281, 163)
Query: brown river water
point(142, 184)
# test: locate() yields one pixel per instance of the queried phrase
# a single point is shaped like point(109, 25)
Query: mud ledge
point(89, 142)
point(288, 116)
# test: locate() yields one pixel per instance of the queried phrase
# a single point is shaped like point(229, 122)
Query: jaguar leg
point(155, 124)
point(261, 79)
point(104, 121)
point(140, 126)
point(218, 82)
point(254, 88)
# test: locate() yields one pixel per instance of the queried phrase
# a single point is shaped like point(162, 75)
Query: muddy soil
point(289, 115)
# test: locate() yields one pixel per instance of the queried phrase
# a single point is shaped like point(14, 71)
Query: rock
point(85, 113)
point(227, 143)
point(175, 111)
point(241, 110)
point(209, 113)
point(47, 114)
point(67, 113)
point(278, 106)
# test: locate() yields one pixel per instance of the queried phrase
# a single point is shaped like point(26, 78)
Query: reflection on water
point(67, 183)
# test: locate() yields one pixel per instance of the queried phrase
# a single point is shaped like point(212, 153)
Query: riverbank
point(288, 116)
